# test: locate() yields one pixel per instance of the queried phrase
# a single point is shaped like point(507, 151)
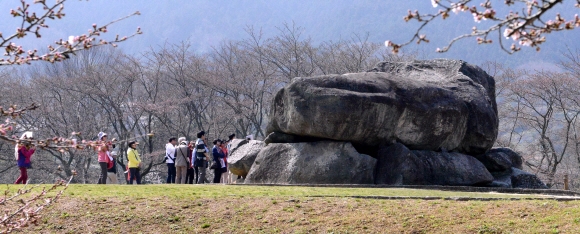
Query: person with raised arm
point(103, 156)
point(24, 152)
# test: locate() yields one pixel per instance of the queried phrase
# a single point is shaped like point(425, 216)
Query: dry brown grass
point(237, 212)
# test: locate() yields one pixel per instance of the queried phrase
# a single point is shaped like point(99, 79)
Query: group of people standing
point(187, 162)
point(106, 151)
point(107, 157)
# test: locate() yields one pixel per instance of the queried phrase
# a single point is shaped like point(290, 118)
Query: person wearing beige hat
point(181, 161)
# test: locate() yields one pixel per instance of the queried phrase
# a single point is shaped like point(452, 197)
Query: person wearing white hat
point(103, 153)
point(181, 161)
point(112, 172)
point(24, 153)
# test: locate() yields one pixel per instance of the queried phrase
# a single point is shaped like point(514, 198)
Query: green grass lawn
point(218, 191)
point(279, 209)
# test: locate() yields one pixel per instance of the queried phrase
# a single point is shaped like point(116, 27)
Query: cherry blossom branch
point(32, 23)
point(28, 211)
point(32, 20)
point(20, 191)
point(60, 144)
point(527, 29)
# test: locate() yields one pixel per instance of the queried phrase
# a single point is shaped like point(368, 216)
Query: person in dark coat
point(201, 158)
point(218, 158)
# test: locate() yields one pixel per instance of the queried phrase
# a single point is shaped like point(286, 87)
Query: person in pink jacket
point(103, 152)
point(25, 152)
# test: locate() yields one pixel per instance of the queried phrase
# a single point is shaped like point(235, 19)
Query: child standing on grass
point(24, 153)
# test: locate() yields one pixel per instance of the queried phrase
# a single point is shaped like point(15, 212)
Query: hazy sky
point(207, 23)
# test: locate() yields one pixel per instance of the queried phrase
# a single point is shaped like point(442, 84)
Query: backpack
point(16, 152)
point(109, 163)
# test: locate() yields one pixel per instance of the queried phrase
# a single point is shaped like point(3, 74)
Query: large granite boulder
point(426, 105)
point(516, 178)
point(500, 159)
point(522, 179)
point(398, 165)
point(323, 162)
point(280, 137)
point(241, 160)
point(502, 179)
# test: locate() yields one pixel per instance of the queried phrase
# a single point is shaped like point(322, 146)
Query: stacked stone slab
point(242, 156)
point(322, 162)
point(425, 105)
point(426, 122)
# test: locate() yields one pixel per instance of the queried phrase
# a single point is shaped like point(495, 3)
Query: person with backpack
point(112, 172)
point(23, 153)
point(103, 156)
point(201, 158)
point(218, 160)
point(134, 162)
point(170, 159)
point(181, 161)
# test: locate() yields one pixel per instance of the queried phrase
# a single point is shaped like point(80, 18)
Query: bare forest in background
point(172, 91)
point(168, 90)
point(538, 114)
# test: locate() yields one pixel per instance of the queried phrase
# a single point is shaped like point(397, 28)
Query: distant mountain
point(207, 23)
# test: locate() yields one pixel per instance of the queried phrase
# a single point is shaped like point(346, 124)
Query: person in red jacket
point(24, 152)
point(225, 178)
point(190, 176)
